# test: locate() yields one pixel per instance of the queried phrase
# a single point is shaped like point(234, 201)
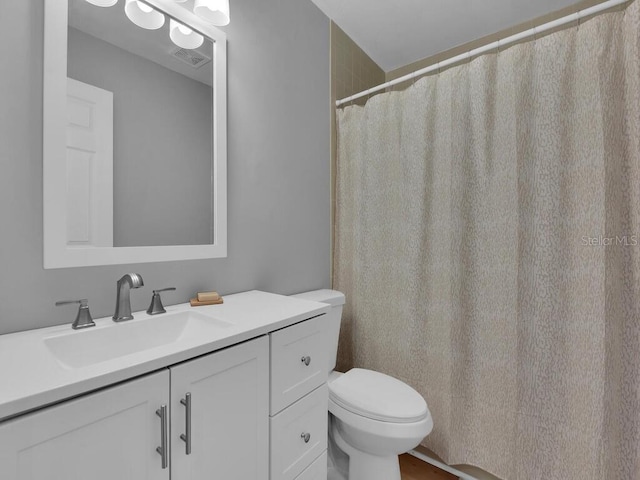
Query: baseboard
point(443, 466)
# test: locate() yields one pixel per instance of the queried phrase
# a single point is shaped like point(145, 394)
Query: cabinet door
point(229, 398)
point(107, 435)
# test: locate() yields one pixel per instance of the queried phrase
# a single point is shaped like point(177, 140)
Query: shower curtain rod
point(533, 32)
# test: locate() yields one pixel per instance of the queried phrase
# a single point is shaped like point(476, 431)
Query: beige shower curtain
point(488, 243)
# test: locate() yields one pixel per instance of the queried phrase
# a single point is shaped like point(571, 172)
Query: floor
point(415, 469)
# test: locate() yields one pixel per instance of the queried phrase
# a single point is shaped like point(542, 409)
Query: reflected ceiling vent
point(192, 58)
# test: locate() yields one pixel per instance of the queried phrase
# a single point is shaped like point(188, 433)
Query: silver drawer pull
point(306, 360)
point(163, 448)
point(186, 437)
point(305, 436)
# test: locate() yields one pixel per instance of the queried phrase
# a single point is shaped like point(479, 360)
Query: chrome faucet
point(123, 300)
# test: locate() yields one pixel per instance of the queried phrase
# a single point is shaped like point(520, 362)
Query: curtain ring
point(439, 71)
point(579, 18)
point(535, 34)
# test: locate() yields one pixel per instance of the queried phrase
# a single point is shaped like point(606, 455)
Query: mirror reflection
point(139, 133)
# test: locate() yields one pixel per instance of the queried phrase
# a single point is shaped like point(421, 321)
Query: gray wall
point(162, 124)
point(279, 233)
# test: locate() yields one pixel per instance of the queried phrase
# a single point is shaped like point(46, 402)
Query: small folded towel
point(195, 303)
point(208, 296)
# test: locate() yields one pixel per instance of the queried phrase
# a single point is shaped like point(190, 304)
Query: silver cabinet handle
point(186, 437)
point(305, 436)
point(306, 360)
point(163, 448)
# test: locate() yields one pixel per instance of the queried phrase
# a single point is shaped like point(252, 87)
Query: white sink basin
point(77, 349)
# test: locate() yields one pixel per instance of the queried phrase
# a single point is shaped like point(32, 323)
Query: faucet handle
point(168, 289)
point(83, 319)
point(84, 302)
point(156, 306)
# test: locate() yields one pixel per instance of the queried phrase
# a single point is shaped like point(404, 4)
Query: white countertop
point(32, 377)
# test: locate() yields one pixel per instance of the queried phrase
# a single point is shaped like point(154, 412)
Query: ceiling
point(399, 32)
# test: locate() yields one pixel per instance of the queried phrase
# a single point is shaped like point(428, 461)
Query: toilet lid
point(378, 396)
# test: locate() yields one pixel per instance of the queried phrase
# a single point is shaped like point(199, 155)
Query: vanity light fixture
point(103, 3)
point(183, 36)
point(215, 12)
point(143, 15)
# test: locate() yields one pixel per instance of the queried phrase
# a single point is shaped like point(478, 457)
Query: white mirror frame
point(57, 254)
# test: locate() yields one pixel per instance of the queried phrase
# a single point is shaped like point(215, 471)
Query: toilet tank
point(336, 300)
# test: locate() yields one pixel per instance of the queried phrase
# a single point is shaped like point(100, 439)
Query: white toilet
point(372, 417)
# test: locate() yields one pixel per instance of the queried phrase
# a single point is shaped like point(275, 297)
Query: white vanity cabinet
point(111, 434)
point(299, 401)
point(242, 387)
point(114, 433)
point(228, 395)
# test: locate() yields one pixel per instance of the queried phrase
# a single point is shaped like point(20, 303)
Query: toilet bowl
point(373, 417)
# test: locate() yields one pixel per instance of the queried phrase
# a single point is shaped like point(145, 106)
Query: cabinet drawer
point(299, 359)
point(290, 454)
point(317, 470)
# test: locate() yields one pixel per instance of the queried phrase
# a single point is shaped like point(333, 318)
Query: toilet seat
point(377, 396)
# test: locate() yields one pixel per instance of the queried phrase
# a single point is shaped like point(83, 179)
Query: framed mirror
point(134, 159)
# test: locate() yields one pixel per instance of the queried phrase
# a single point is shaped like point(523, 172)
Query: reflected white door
point(89, 165)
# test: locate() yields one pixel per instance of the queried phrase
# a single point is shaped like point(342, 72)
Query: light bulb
point(183, 36)
point(215, 12)
point(143, 15)
point(184, 29)
point(144, 7)
point(103, 3)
